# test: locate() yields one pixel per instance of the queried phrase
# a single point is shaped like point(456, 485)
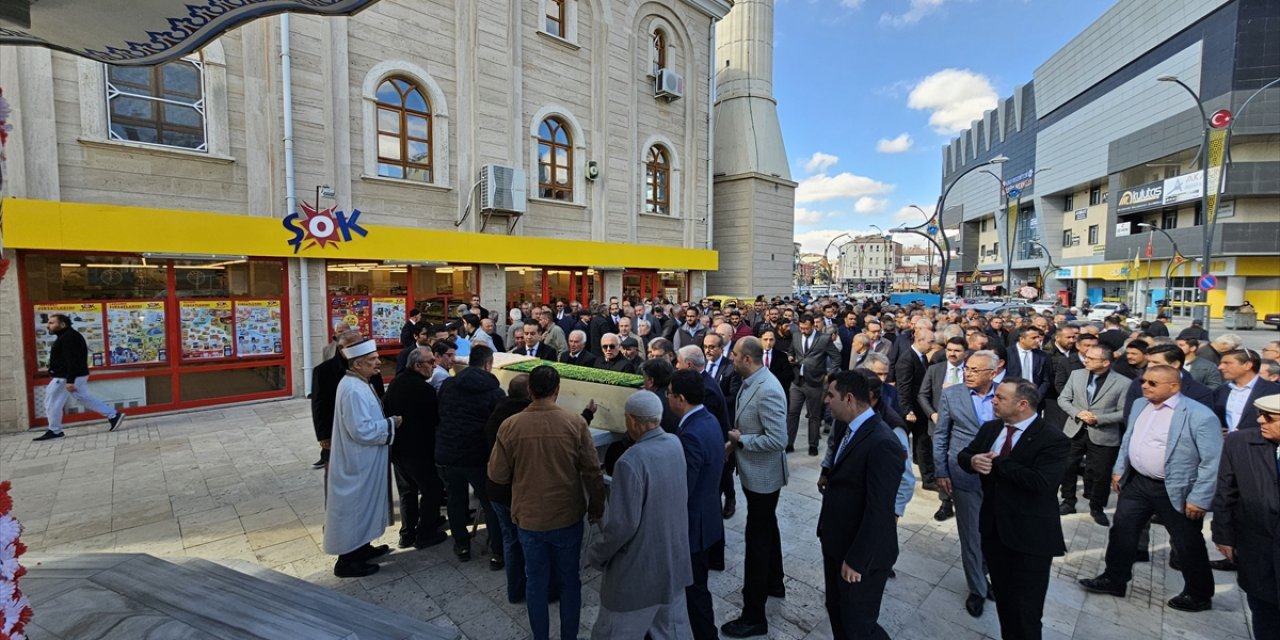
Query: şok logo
point(320, 228)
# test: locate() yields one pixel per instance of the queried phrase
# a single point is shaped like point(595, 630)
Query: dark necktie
point(1008, 440)
point(1093, 387)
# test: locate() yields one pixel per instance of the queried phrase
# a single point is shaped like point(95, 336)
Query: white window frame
point(440, 157)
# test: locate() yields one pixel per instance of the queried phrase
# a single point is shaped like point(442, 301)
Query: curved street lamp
point(1049, 265)
point(945, 246)
point(827, 263)
point(1174, 259)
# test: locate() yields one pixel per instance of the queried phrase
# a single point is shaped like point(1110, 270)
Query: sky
point(870, 90)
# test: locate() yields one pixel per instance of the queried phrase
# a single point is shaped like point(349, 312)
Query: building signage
point(1142, 196)
point(1184, 188)
point(319, 228)
point(1020, 182)
point(1081, 214)
point(1122, 229)
point(1227, 209)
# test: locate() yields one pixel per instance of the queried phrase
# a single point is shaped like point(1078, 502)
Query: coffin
point(575, 394)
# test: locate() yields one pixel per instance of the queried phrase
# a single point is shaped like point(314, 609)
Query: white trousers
point(660, 622)
point(55, 400)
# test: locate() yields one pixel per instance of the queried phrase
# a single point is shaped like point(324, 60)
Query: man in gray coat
point(1093, 400)
point(643, 545)
point(962, 411)
point(758, 442)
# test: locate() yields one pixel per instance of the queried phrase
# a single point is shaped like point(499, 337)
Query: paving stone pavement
point(235, 483)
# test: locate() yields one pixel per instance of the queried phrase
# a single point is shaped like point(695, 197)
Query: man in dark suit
point(694, 358)
point(937, 377)
point(1233, 401)
point(601, 323)
point(775, 360)
point(577, 353)
point(564, 317)
point(846, 331)
point(1062, 357)
point(857, 526)
point(1028, 361)
point(613, 359)
point(1020, 460)
point(703, 445)
point(814, 355)
point(1112, 336)
point(909, 377)
point(1244, 507)
point(409, 329)
point(533, 345)
point(721, 369)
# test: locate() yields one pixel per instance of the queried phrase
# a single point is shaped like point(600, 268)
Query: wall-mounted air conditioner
point(668, 84)
point(503, 189)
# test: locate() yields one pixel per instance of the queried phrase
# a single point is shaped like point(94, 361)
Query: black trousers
point(1266, 619)
point(1098, 459)
point(853, 608)
point(762, 572)
point(922, 449)
point(1140, 497)
point(702, 616)
point(726, 482)
point(1020, 582)
point(420, 487)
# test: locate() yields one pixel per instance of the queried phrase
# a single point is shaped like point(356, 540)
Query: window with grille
point(555, 160)
point(161, 105)
point(404, 131)
point(657, 179)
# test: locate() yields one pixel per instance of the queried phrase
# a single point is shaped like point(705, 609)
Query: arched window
point(659, 51)
point(404, 131)
point(161, 105)
point(557, 18)
point(555, 160)
point(657, 181)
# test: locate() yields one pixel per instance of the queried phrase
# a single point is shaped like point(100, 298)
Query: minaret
point(754, 196)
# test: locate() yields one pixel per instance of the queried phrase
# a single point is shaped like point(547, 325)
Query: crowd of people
point(1007, 419)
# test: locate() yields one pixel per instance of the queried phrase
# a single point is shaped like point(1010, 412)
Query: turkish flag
point(1149, 238)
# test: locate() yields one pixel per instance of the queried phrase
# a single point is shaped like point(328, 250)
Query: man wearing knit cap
point(357, 511)
point(643, 545)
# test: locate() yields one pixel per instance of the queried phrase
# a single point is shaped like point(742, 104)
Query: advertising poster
point(388, 318)
point(85, 317)
point(206, 329)
point(135, 333)
point(258, 328)
point(353, 310)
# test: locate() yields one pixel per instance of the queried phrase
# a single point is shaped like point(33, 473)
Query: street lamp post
point(1049, 265)
point(1173, 259)
point(887, 276)
point(1214, 150)
point(830, 276)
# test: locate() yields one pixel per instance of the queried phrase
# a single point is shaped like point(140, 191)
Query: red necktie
point(1008, 440)
point(766, 359)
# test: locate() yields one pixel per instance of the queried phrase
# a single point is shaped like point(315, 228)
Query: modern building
point(1102, 146)
point(867, 263)
point(208, 220)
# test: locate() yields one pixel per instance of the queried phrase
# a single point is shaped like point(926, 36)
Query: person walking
point(643, 544)
point(857, 524)
point(814, 355)
point(69, 373)
point(1020, 460)
point(758, 442)
point(411, 396)
point(1093, 400)
point(1167, 467)
point(547, 456)
point(1246, 500)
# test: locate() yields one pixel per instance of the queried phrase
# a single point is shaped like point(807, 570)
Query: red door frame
point(388, 349)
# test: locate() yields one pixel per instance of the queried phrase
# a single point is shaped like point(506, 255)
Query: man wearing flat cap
point(1245, 526)
point(357, 508)
point(643, 544)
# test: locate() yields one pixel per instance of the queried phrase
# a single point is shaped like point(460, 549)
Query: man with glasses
point(1093, 400)
point(1167, 467)
point(613, 360)
point(1244, 505)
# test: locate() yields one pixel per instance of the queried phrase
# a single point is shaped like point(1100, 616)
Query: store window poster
point(85, 317)
point(136, 333)
point(388, 318)
point(353, 310)
point(258, 328)
point(206, 329)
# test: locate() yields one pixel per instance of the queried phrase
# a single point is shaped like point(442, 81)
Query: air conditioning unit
point(668, 84)
point(503, 189)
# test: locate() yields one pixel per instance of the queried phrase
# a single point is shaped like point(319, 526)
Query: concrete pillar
point(1082, 291)
point(612, 285)
point(493, 290)
point(1236, 286)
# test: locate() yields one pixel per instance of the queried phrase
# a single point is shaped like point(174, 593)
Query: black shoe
point(741, 628)
point(406, 540)
point(496, 563)
point(1222, 565)
point(47, 435)
point(1143, 556)
point(369, 552)
point(1099, 517)
point(780, 592)
point(1066, 508)
point(929, 486)
point(944, 512)
point(431, 540)
point(729, 509)
point(318, 464)
point(352, 569)
point(463, 553)
point(813, 451)
point(1188, 602)
point(1103, 585)
point(790, 449)
point(115, 421)
point(973, 604)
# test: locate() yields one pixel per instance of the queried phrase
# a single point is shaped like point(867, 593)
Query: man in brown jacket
point(546, 454)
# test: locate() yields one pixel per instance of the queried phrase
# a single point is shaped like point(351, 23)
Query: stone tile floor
point(235, 483)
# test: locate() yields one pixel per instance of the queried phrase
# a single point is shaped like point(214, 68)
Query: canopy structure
point(142, 32)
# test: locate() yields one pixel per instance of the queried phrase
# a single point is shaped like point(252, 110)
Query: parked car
point(1045, 306)
point(1272, 319)
point(1009, 308)
point(1101, 310)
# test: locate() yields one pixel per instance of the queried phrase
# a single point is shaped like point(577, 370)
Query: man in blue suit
point(704, 458)
point(963, 410)
point(1026, 352)
point(1168, 465)
point(1233, 401)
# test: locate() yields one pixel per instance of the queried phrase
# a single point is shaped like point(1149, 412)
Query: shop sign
point(1184, 188)
point(1081, 214)
point(1227, 209)
point(1099, 249)
point(1063, 273)
point(1142, 196)
point(320, 228)
point(1122, 229)
point(1020, 182)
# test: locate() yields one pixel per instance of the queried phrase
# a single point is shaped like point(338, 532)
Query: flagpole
point(1150, 238)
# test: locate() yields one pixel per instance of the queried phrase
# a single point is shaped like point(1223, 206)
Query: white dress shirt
point(1019, 429)
point(1236, 401)
point(1151, 437)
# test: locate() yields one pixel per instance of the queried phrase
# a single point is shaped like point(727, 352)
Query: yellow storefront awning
point(1124, 270)
point(85, 227)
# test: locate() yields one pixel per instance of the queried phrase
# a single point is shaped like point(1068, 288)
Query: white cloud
point(823, 187)
point(807, 216)
point(896, 145)
point(956, 97)
point(851, 4)
point(867, 204)
point(908, 215)
point(917, 11)
point(819, 162)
